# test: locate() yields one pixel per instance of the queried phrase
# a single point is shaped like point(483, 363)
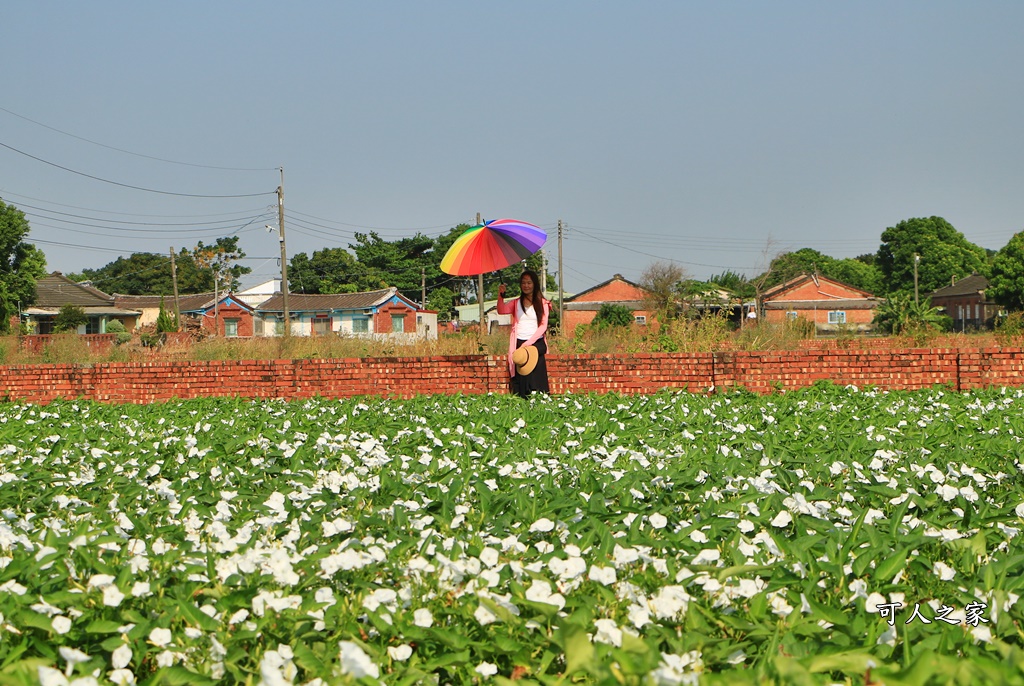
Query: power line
point(4, 193)
point(129, 152)
point(125, 185)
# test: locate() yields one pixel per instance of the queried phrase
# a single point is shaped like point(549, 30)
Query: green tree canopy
point(944, 253)
point(69, 318)
point(613, 315)
point(220, 261)
point(144, 273)
point(854, 272)
point(330, 270)
point(1006, 285)
point(21, 264)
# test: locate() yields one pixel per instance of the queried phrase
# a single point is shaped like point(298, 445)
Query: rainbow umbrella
point(491, 246)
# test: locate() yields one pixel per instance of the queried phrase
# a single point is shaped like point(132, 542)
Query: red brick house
point(965, 302)
point(230, 316)
point(584, 306)
point(373, 314)
point(832, 305)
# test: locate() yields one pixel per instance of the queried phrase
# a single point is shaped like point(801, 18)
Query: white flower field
point(831, 535)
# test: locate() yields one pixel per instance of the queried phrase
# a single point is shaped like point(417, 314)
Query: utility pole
point(480, 287)
point(917, 259)
point(561, 292)
point(284, 257)
point(174, 283)
point(543, 274)
point(423, 287)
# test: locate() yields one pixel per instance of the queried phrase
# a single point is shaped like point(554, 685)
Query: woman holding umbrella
point(527, 344)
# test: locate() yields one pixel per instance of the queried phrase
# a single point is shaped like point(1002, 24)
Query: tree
point(165, 321)
point(664, 282)
point(612, 315)
point(331, 270)
point(69, 318)
point(1006, 285)
point(144, 273)
point(854, 272)
point(21, 264)
point(220, 259)
point(899, 314)
point(944, 254)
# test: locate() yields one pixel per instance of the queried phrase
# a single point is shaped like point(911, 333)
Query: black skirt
point(537, 380)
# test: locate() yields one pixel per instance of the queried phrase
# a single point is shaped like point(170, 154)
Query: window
point(321, 325)
point(361, 325)
point(398, 323)
point(837, 317)
point(791, 315)
point(640, 319)
point(231, 328)
point(94, 325)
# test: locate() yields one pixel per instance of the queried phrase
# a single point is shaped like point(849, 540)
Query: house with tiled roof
point(56, 291)
point(830, 304)
point(384, 312)
point(966, 303)
point(584, 306)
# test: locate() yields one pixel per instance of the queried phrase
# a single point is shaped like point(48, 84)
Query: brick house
point(965, 302)
point(384, 312)
point(230, 316)
point(832, 305)
point(584, 306)
point(56, 290)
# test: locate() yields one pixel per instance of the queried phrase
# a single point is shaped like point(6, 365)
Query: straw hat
point(525, 359)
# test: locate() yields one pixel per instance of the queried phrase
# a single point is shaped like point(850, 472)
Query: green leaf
point(579, 651)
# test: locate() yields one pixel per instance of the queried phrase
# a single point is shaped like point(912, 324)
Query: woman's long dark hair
point(538, 294)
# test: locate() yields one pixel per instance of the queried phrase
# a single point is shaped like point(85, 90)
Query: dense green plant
point(121, 335)
point(165, 321)
point(69, 318)
point(899, 314)
point(612, 315)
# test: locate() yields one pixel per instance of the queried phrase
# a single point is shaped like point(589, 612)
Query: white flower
point(943, 571)
point(707, 556)
point(355, 662)
point(48, 676)
point(121, 656)
point(121, 677)
point(981, 634)
point(745, 525)
point(400, 653)
point(1019, 510)
point(658, 520)
point(61, 624)
point(486, 669)
point(542, 525)
point(608, 632)
point(160, 636)
point(485, 616)
point(602, 575)
point(782, 519)
point(112, 596)
point(698, 536)
point(540, 592)
point(422, 618)
point(100, 580)
point(489, 556)
point(140, 589)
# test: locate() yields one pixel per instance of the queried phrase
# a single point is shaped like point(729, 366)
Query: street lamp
point(917, 260)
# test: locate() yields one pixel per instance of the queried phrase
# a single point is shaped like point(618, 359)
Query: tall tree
point(330, 270)
point(664, 282)
point(221, 260)
point(21, 264)
point(395, 263)
point(144, 273)
point(944, 254)
point(1006, 285)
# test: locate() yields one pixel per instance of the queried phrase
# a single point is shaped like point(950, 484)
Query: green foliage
point(69, 318)
point(853, 272)
point(121, 335)
point(944, 254)
point(1010, 328)
point(1006, 283)
point(21, 264)
point(441, 300)
point(220, 261)
point(900, 315)
point(612, 315)
point(331, 270)
point(165, 321)
point(149, 274)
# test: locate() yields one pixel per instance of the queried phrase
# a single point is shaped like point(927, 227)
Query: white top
point(526, 320)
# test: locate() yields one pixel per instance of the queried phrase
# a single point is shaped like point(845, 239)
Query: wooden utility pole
point(174, 283)
point(480, 288)
point(284, 256)
point(423, 287)
point(561, 292)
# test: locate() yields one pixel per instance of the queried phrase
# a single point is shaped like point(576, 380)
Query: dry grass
point(703, 335)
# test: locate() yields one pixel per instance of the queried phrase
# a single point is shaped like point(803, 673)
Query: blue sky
point(713, 134)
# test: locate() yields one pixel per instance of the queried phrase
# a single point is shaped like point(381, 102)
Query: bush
point(612, 315)
point(69, 319)
point(121, 335)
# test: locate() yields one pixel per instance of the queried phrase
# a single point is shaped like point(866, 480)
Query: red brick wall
point(225, 312)
point(762, 372)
